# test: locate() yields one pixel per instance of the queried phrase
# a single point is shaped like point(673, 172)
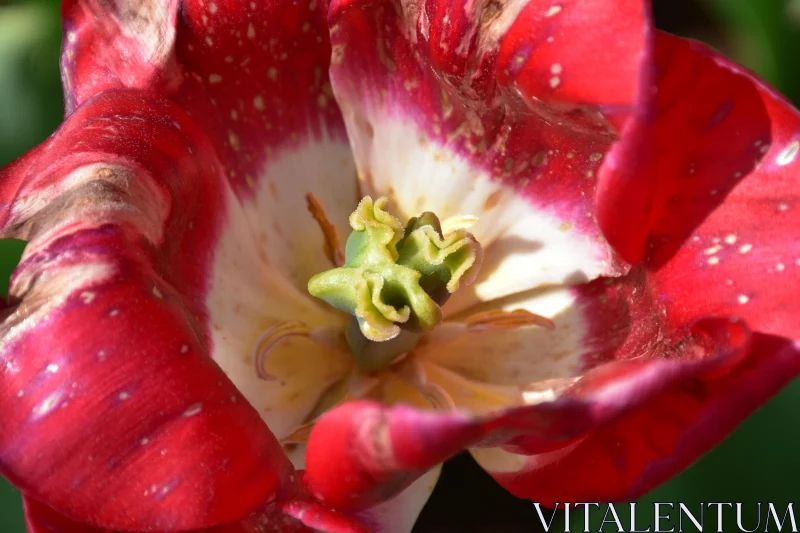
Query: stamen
point(504, 320)
point(333, 244)
point(300, 435)
point(271, 338)
point(455, 223)
point(437, 396)
point(412, 372)
point(358, 386)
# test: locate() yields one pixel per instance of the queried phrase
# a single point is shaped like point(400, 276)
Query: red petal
point(108, 388)
point(253, 75)
point(257, 82)
point(625, 459)
point(110, 45)
point(710, 126)
point(743, 257)
point(530, 94)
point(42, 519)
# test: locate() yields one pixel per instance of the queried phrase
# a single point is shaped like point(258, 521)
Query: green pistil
point(395, 280)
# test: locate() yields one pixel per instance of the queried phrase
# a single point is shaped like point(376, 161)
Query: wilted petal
point(497, 111)
point(106, 342)
point(117, 44)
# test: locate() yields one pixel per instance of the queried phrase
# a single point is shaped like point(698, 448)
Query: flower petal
point(399, 514)
point(743, 258)
point(40, 518)
point(257, 83)
point(627, 458)
point(493, 111)
point(519, 355)
point(696, 151)
point(106, 341)
point(254, 77)
point(117, 44)
point(664, 412)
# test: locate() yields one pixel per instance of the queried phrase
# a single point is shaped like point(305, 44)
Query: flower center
point(394, 278)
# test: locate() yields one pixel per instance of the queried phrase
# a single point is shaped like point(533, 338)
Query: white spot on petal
point(47, 405)
point(193, 409)
point(789, 154)
point(745, 248)
point(87, 297)
point(555, 81)
point(214, 78)
point(556, 69)
point(555, 10)
point(730, 239)
point(743, 299)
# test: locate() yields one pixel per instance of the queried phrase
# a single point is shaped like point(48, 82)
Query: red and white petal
point(449, 109)
point(116, 45)
point(255, 78)
point(106, 342)
point(257, 83)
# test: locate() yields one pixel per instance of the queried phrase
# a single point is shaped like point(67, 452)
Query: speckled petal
point(743, 257)
point(257, 83)
point(117, 44)
point(703, 145)
point(254, 76)
point(107, 384)
point(495, 111)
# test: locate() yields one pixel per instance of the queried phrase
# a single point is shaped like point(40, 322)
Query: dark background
point(758, 463)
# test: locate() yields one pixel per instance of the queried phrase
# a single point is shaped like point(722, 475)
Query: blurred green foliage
point(759, 462)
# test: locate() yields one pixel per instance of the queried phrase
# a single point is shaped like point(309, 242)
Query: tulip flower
point(287, 257)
